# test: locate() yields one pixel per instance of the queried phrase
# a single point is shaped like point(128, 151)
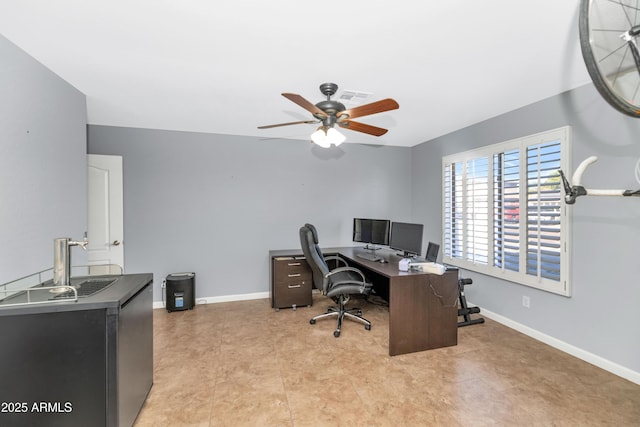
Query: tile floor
point(244, 364)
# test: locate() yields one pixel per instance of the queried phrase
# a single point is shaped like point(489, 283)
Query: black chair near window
point(465, 311)
point(338, 284)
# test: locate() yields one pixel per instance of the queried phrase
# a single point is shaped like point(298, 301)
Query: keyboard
point(369, 257)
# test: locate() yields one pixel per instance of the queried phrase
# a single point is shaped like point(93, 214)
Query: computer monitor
point(406, 237)
point(371, 231)
point(432, 252)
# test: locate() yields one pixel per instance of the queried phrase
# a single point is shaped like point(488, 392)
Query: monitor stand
point(406, 254)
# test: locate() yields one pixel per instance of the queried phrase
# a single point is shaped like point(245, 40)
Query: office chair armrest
point(337, 258)
point(341, 269)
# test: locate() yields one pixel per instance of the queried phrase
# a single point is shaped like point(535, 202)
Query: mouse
point(382, 260)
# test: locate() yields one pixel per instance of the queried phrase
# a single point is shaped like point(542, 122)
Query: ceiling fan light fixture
point(325, 137)
point(319, 137)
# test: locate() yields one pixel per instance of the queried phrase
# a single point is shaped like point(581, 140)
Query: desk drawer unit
point(291, 282)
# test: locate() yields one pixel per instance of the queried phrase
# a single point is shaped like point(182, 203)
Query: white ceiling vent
point(354, 97)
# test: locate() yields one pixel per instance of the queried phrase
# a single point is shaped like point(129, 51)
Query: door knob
point(116, 243)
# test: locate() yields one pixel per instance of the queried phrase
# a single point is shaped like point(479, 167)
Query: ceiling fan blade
point(373, 108)
point(361, 127)
point(287, 124)
point(305, 104)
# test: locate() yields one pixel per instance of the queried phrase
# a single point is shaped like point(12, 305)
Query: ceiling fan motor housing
point(329, 106)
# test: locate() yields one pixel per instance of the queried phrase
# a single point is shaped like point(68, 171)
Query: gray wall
point(216, 204)
point(43, 167)
point(601, 316)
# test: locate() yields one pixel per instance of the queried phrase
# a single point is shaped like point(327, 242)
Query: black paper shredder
point(180, 291)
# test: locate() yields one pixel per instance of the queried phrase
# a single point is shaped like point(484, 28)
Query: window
point(503, 210)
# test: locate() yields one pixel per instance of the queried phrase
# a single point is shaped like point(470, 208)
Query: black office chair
point(338, 284)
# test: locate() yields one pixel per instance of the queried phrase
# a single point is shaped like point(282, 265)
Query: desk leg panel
point(408, 316)
point(443, 309)
point(421, 315)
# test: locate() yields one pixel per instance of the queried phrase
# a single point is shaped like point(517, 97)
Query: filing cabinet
point(291, 282)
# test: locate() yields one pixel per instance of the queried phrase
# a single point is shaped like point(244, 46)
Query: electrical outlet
point(526, 302)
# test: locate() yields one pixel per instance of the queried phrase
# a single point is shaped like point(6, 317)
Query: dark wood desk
point(423, 308)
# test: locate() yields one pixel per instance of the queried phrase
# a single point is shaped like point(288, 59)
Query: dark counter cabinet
point(85, 363)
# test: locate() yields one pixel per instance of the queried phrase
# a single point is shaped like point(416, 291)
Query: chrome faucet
point(62, 259)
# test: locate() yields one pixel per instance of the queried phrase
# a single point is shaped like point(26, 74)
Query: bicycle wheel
point(608, 39)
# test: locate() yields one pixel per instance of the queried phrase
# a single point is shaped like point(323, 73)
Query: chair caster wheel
point(367, 327)
point(336, 334)
point(312, 321)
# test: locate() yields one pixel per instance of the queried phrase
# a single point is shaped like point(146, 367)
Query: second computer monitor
point(406, 237)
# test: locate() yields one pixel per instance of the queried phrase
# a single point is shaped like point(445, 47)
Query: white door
point(106, 216)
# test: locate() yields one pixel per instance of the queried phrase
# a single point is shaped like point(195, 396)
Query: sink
point(91, 286)
point(87, 287)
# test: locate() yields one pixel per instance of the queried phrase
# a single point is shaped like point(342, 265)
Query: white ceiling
point(220, 67)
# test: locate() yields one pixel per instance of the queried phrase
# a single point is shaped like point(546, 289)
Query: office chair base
point(354, 314)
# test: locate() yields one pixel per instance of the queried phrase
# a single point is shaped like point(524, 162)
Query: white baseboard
point(598, 361)
point(225, 298)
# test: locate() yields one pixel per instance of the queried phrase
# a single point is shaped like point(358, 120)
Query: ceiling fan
point(331, 112)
